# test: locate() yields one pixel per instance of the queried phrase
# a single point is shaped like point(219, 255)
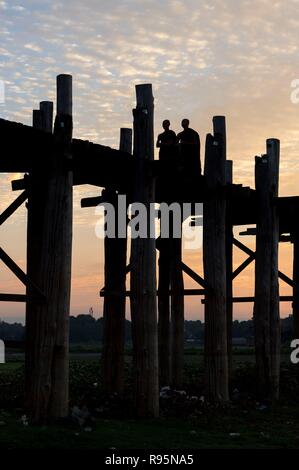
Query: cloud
point(233, 58)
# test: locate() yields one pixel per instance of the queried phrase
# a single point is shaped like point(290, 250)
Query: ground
point(186, 421)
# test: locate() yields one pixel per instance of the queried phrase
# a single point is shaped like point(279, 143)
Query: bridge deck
point(26, 149)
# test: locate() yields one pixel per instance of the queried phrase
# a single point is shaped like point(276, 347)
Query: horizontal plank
point(127, 293)
point(18, 298)
point(282, 298)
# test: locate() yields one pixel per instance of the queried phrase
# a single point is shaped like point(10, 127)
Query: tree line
point(87, 329)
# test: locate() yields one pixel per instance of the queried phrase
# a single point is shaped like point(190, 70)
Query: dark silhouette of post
point(177, 313)
point(115, 287)
point(216, 360)
point(229, 266)
point(266, 305)
point(143, 264)
point(47, 324)
point(164, 311)
point(295, 240)
point(46, 108)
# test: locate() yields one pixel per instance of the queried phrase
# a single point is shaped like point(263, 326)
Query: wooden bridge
point(53, 162)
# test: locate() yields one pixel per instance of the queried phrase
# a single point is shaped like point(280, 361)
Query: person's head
point(185, 123)
point(166, 124)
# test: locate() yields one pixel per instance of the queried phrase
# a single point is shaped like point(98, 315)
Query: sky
point(236, 58)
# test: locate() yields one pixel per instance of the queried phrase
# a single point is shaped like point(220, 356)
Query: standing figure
point(189, 143)
point(166, 142)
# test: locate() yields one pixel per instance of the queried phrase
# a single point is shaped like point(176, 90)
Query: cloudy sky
point(236, 58)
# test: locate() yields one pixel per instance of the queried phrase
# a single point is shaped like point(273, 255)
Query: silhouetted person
point(189, 143)
point(166, 142)
point(168, 156)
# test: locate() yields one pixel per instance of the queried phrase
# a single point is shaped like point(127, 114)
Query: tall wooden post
point(229, 266)
point(177, 314)
point(216, 362)
point(47, 331)
point(37, 196)
point(37, 121)
point(143, 264)
point(164, 311)
point(115, 300)
point(46, 108)
point(295, 240)
point(219, 127)
point(266, 306)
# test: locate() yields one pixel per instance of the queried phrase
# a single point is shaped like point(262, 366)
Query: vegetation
point(187, 421)
point(87, 329)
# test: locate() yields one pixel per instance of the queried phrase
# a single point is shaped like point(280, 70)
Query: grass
point(259, 430)
point(243, 424)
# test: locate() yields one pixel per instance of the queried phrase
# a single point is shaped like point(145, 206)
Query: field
point(186, 421)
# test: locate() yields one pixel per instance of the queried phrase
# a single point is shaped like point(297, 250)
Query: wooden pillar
point(177, 314)
point(295, 239)
point(229, 266)
point(219, 127)
point(164, 312)
point(37, 196)
point(47, 332)
point(115, 300)
point(46, 109)
point(143, 264)
point(266, 306)
point(37, 121)
point(216, 362)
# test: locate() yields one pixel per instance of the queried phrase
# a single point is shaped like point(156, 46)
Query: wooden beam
point(243, 247)
point(114, 314)
point(18, 298)
point(282, 298)
point(17, 271)
point(266, 305)
point(216, 357)
point(196, 277)
point(243, 266)
point(91, 201)
point(286, 279)
point(143, 265)
point(250, 252)
point(20, 184)
point(164, 320)
point(13, 207)
point(49, 261)
point(46, 109)
point(229, 235)
point(104, 292)
point(177, 313)
point(295, 236)
point(37, 122)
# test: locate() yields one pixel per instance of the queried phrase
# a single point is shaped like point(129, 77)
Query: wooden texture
point(143, 265)
point(164, 311)
point(295, 237)
point(177, 314)
point(266, 306)
point(46, 109)
point(216, 360)
point(49, 263)
point(13, 207)
point(114, 304)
